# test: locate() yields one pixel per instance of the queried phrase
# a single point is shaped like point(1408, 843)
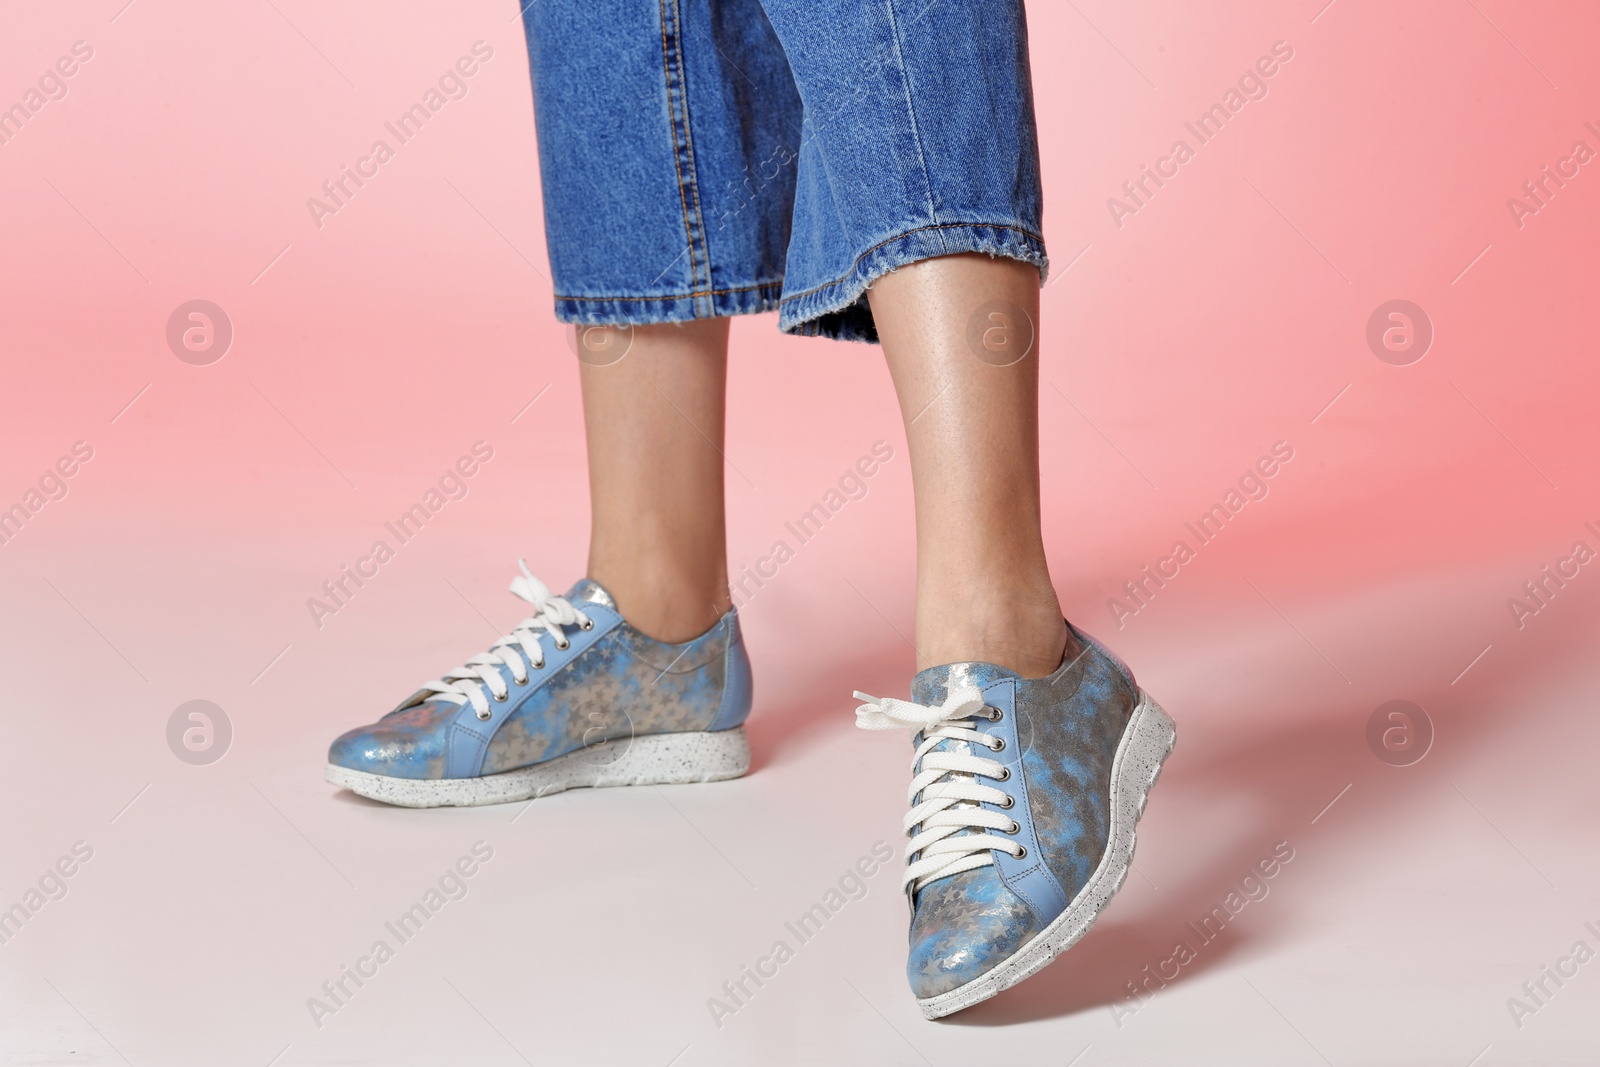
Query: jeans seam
point(791, 297)
point(778, 284)
point(911, 111)
point(682, 142)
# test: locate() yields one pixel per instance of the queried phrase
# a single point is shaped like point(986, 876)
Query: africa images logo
point(451, 85)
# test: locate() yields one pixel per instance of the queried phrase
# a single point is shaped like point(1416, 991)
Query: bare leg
point(983, 587)
point(654, 423)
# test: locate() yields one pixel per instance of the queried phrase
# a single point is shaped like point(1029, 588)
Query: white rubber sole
point(653, 759)
point(1145, 745)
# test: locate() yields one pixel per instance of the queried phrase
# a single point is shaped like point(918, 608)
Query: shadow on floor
point(1286, 776)
point(1272, 782)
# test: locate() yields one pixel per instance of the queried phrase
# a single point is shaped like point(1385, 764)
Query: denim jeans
point(702, 158)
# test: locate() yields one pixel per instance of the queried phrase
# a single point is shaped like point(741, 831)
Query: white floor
point(219, 899)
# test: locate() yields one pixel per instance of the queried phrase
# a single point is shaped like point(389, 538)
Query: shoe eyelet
point(1016, 828)
point(501, 698)
point(1022, 852)
point(1004, 776)
point(999, 745)
point(562, 646)
point(484, 716)
point(1010, 803)
point(587, 624)
point(995, 714)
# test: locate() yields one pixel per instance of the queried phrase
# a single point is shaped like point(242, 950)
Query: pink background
point(1229, 313)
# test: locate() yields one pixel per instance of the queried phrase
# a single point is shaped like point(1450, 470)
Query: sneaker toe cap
point(964, 926)
point(408, 744)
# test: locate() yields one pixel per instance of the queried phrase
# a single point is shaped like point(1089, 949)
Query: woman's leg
point(1005, 869)
point(654, 422)
point(972, 421)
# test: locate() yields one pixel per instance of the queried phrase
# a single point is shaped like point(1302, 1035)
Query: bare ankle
point(1027, 637)
point(667, 610)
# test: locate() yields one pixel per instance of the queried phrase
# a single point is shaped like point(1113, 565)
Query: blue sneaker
point(1024, 796)
point(573, 696)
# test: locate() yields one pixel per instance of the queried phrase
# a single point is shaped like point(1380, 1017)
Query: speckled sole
point(653, 759)
point(1147, 742)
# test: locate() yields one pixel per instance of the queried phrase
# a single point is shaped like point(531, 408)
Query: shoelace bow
point(519, 651)
point(953, 831)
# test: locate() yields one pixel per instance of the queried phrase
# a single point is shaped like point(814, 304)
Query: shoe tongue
point(589, 591)
point(933, 685)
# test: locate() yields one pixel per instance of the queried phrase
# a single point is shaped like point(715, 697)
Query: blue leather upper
point(612, 682)
point(1061, 734)
point(737, 687)
point(467, 740)
point(1028, 876)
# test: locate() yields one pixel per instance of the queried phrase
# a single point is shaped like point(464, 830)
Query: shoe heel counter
point(1115, 660)
point(737, 692)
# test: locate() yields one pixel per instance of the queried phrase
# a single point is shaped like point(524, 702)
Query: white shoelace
point(945, 792)
point(519, 650)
